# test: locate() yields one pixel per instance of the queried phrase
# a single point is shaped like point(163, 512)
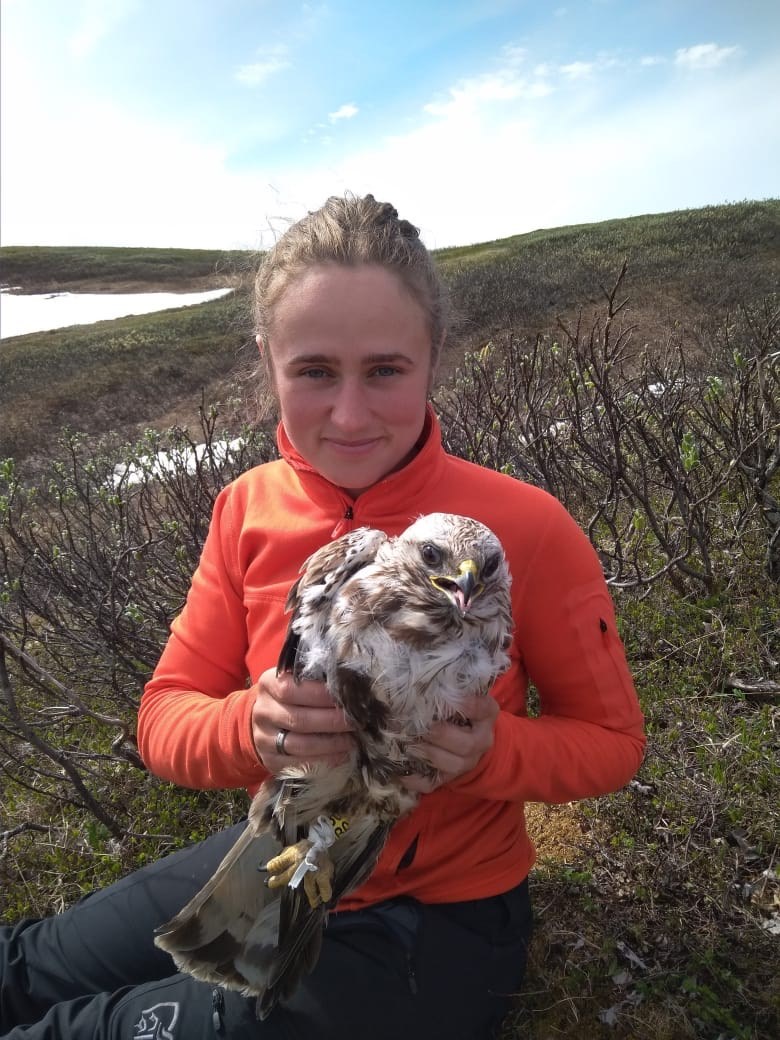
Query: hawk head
point(444, 575)
point(463, 559)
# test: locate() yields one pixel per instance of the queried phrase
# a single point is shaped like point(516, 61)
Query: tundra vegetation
point(632, 368)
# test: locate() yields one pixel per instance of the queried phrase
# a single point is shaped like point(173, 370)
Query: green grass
point(45, 268)
point(659, 923)
point(689, 264)
point(44, 875)
point(115, 375)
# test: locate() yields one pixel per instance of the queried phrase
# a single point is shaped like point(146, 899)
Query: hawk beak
point(464, 588)
point(467, 583)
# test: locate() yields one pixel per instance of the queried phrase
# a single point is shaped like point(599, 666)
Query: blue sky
point(210, 123)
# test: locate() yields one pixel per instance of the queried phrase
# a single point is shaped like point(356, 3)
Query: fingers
point(306, 706)
point(313, 748)
point(317, 730)
point(454, 748)
point(422, 784)
point(462, 740)
point(475, 709)
point(306, 694)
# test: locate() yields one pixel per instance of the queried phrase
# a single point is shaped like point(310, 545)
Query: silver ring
point(281, 736)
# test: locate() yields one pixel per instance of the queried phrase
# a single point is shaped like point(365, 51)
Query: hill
point(691, 267)
point(45, 269)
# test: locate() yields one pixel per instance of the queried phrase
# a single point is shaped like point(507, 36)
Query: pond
point(21, 314)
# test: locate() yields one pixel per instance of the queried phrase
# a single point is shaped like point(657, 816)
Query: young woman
point(350, 320)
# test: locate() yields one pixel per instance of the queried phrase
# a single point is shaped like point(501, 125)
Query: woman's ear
point(266, 365)
point(436, 350)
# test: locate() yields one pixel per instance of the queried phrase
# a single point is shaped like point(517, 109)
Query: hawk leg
point(303, 861)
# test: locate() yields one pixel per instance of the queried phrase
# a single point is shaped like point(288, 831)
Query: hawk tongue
point(464, 586)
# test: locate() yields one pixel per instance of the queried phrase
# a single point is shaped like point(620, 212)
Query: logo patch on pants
point(157, 1023)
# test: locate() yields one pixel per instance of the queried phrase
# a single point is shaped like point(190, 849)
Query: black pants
point(400, 969)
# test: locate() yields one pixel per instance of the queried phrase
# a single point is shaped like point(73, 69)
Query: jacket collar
point(392, 495)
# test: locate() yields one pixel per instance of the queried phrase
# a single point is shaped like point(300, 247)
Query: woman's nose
point(350, 406)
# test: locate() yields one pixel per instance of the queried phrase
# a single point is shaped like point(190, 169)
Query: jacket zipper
point(217, 1008)
point(411, 974)
point(344, 525)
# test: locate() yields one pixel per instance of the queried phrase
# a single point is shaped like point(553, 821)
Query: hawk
point(401, 629)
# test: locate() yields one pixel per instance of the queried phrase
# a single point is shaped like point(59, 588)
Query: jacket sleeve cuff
point(554, 759)
point(239, 735)
point(485, 779)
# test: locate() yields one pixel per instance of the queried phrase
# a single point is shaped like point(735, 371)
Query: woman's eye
point(314, 373)
point(385, 370)
point(431, 555)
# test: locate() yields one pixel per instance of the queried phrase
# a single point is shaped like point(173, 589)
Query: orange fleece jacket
point(466, 840)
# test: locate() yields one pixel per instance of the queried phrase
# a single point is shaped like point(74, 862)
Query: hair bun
point(387, 211)
point(408, 230)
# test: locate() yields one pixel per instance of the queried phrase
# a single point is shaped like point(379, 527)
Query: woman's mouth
point(352, 447)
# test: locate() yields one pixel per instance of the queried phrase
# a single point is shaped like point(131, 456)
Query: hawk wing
point(310, 599)
point(236, 931)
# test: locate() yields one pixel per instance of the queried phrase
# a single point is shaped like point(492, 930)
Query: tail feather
point(207, 938)
point(236, 932)
point(300, 937)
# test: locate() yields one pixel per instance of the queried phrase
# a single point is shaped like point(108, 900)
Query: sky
point(205, 124)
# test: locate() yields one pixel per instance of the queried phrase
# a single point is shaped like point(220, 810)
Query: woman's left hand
point(454, 748)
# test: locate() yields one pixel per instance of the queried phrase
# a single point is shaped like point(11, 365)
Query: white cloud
point(121, 180)
point(514, 55)
point(578, 69)
point(273, 61)
point(470, 95)
point(652, 59)
point(703, 56)
point(348, 111)
point(97, 20)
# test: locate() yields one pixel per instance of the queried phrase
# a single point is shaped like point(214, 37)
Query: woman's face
point(351, 363)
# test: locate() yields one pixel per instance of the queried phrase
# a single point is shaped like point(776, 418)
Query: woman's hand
point(317, 730)
point(455, 748)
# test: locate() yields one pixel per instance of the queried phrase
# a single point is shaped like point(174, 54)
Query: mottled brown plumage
point(401, 630)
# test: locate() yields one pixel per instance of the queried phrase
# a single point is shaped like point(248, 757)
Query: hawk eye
point(431, 555)
point(490, 566)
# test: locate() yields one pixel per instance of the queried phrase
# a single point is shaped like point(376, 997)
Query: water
point(22, 314)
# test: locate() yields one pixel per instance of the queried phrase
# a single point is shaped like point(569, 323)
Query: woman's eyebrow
point(309, 359)
point(384, 358)
point(369, 359)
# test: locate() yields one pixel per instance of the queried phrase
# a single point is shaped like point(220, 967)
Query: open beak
point(463, 589)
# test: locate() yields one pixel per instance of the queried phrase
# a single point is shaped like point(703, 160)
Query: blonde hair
point(351, 231)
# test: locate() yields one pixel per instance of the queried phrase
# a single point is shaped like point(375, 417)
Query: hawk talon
point(318, 867)
point(317, 883)
point(282, 867)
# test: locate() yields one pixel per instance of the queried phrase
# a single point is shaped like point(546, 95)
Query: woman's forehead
point(366, 310)
point(357, 284)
